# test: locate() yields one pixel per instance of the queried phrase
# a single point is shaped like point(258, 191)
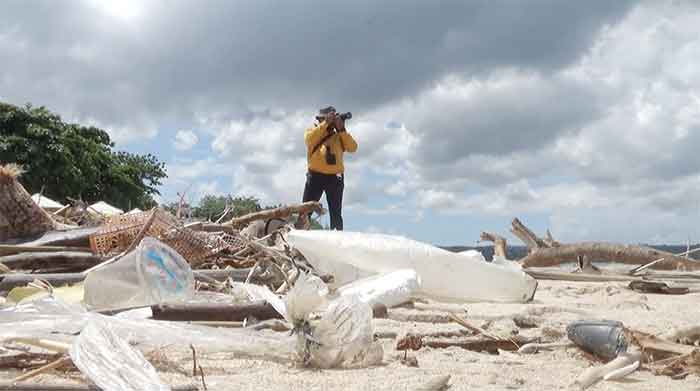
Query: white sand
point(556, 304)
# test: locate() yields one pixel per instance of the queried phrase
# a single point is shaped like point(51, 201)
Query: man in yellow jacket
point(326, 143)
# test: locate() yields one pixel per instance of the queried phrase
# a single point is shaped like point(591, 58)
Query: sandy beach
point(556, 304)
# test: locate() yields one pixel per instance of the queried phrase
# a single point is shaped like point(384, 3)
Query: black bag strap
point(323, 140)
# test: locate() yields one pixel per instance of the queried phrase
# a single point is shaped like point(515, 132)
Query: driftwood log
point(64, 387)
point(9, 249)
point(611, 252)
point(260, 310)
point(20, 216)
point(480, 344)
point(76, 237)
point(278, 213)
point(210, 227)
point(68, 260)
point(543, 253)
point(12, 280)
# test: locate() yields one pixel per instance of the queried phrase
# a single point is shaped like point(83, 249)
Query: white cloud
point(594, 132)
point(185, 140)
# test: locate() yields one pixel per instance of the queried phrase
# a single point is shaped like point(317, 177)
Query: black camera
point(343, 116)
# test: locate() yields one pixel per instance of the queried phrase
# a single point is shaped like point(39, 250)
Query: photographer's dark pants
point(332, 185)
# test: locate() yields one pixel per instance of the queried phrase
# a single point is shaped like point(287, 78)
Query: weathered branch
point(499, 243)
point(528, 237)
point(549, 240)
point(596, 251)
point(278, 213)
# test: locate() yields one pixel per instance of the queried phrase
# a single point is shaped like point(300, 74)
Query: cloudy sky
point(578, 116)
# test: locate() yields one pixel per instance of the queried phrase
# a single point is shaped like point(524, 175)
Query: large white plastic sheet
point(444, 275)
point(343, 327)
point(49, 318)
point(109, 361)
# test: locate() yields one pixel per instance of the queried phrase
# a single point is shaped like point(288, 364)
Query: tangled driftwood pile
point(39, 247)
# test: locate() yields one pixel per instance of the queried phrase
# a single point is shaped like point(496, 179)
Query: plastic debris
point(343, 337)
point(444, 275)
point(110, 362)
point(309, 294)
point(331, 333)
point(152, 274)
point(604, 338)
point(51, 319)
point(390, 289)
point(622, 366)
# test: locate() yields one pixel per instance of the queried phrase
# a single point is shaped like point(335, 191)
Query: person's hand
point(331, 119)
point(339, 123)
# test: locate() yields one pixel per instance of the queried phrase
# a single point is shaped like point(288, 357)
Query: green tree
point(69, 160)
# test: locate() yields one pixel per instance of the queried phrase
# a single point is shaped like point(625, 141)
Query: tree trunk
point(20, 216)
point(596, 251)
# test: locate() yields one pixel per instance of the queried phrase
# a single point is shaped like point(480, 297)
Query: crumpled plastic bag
point(109, 361)
point(309, 294)
point(345, 337)
point(331, 333)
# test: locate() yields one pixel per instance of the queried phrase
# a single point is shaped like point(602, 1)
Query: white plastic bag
point(390, 289)
point(309, 294)
point(151, 274)
point(109, 361)
point(345, 336)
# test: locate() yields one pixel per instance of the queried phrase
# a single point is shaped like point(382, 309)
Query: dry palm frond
point(10, 171)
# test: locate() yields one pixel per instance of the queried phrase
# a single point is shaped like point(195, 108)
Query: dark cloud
point(181, 58)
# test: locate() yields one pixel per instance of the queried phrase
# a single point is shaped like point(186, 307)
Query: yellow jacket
point(338, 143)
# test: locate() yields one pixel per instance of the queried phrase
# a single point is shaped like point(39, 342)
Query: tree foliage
point(69, 160)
